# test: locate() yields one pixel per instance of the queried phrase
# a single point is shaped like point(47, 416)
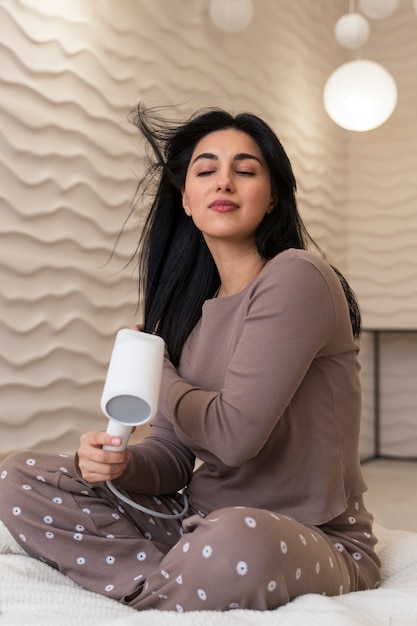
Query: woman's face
point(227, 189)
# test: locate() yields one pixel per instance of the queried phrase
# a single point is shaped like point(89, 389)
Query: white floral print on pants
point(236, 557)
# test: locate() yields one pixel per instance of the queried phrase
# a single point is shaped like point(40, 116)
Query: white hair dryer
point(131, 391)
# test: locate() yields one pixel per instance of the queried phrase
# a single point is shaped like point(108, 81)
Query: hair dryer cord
point(144, 509)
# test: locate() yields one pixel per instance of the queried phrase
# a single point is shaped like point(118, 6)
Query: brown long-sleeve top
point(267, 395)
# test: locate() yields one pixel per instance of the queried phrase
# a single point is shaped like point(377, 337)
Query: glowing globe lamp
point(360, 95)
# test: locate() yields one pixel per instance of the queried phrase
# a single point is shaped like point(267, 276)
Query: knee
point(10, 478)
point(10, 467)
point(242, 539)
point(229, 534)
point(238, 529)
point(19, 472)
point(241, 544)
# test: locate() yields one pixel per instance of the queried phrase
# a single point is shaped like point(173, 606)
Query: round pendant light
point(360, 95)
point(378, 9)
point(231, 15)
point(352, 31)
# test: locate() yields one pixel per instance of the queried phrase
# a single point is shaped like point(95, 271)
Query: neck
point(236, 273)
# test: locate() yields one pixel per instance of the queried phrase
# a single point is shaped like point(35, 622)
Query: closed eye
point(240, 172)
point(205, 172)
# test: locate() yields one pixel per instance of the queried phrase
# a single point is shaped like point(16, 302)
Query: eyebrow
point(241, 156)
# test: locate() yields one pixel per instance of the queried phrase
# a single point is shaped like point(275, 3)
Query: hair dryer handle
point(119, 430)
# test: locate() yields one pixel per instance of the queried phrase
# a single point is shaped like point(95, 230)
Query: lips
point(223, 206)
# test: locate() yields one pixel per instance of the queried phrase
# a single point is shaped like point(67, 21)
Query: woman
point(260, 383)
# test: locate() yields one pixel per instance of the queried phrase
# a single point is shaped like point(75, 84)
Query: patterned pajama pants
point(236, 557)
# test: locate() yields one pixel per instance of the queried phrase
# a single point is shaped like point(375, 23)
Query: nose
point(224, 181)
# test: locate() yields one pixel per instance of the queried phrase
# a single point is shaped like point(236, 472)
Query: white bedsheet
point(33, 594)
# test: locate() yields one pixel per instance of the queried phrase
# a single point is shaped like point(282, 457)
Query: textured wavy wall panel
point(383, 187)
point(69, 73)
point(382, 207)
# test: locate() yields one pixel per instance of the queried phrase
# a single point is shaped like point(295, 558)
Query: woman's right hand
point(98, 465)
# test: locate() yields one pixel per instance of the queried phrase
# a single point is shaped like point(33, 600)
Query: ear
point(271, 205)
point(185, 202)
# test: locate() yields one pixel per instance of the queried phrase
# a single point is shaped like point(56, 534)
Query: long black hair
point(176, 270)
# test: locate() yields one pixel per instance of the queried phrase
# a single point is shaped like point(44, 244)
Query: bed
point(33, 593)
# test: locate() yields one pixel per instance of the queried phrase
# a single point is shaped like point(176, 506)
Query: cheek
point(262, 199)
point(193, 198)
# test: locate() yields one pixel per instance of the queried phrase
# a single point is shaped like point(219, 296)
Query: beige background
point(70, 71)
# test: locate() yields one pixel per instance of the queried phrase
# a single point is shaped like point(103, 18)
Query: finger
point(103, 471)
point(93, 471)
point(97, 464)
point(98, 439)
point(97, 454)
